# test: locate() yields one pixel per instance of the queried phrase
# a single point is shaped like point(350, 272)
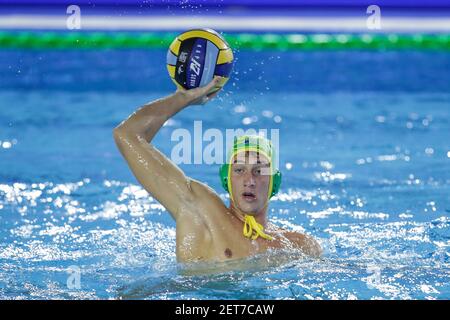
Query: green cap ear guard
point(276, 182)
point(223, 172)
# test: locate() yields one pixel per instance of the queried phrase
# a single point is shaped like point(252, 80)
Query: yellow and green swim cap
point(260, 145)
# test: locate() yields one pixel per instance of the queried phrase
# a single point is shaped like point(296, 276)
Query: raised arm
point(158, 174)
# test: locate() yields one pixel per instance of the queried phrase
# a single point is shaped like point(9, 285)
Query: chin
point(249, 209)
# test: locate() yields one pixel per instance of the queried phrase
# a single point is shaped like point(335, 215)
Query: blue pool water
point(365, 153)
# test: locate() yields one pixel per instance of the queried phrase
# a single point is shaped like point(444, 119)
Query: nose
point(249, 180)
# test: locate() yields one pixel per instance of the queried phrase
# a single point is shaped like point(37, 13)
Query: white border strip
point(333, 24)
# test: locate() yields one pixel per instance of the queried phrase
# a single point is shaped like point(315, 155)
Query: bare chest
point(218, 237)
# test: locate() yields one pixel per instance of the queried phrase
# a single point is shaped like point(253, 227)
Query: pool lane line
point(290, 41)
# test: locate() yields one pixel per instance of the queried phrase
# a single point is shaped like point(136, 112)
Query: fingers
point(212, 84)
point(202, 95)
point(213, 95)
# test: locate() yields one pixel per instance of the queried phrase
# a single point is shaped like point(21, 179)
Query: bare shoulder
point(306, 243)
point(206, 202)
point(204, 193)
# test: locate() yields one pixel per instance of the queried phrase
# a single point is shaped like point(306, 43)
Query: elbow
point(118, 134)
point(122, 136)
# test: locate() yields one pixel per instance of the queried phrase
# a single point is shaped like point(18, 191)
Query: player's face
point(250, 181)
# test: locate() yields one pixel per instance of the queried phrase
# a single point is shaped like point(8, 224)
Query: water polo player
point(206, 229)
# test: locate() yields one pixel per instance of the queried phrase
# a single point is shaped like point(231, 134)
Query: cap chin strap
point(253, 229)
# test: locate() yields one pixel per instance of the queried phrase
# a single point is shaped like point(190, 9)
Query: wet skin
point(206, 229)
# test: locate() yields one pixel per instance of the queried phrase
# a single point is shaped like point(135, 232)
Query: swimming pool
point(365, 153)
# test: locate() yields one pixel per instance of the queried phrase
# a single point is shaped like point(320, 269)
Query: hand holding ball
point(196, 56)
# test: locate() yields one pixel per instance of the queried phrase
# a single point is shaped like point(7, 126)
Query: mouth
point(249, 196)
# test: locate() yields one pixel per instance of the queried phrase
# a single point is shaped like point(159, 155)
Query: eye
point(258, 171)
point(238, 170)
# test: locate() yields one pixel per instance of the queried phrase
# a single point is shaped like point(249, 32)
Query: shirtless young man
point(206, 229)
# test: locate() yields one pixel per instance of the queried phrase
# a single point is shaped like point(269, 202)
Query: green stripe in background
point(74, 40)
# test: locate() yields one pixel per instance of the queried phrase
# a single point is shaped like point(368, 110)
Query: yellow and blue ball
point(196, 56)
